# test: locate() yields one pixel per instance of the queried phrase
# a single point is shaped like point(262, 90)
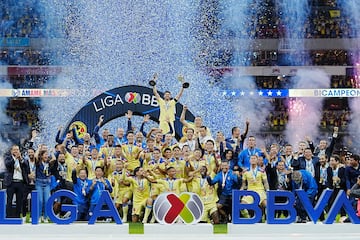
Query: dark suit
point(28, 188)
point(336, 187)
point(274, 184)
point(316, 164)
point(328, 151)
point(293, 163)
point(341, 175)
point(273, 179)
point(13, 186)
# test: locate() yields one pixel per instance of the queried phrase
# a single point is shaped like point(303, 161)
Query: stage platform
point(179, 231)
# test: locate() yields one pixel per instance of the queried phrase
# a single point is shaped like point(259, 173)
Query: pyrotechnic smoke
point(294, 20)
point(305, 113)
point(239, 25)
point(350, 12)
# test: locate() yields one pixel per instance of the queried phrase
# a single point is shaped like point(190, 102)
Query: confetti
point(116, 43)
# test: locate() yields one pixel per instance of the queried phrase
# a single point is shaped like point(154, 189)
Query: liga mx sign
point(116, 102)
point(169, 208)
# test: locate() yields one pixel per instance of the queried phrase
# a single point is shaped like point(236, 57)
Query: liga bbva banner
point(116, 102)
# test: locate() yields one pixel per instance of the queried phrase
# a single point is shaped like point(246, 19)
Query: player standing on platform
point(167, 105)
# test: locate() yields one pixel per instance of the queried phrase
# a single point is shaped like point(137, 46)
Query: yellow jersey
point(90, 166)
point(131, 154)
point(167, 110)
point(140, 188)
point(207, 193)
point(255, 179)
point(211, 165)
point(106, 151)
point(171, 185)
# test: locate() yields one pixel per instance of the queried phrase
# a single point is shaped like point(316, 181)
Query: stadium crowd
point(24, 57)
point(325, 20)
point(26, 19)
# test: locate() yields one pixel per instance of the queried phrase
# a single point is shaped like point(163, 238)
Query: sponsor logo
point(132, 97)
point(169, 208)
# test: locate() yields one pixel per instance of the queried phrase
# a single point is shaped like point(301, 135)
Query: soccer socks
point(152, 220)
point(147, 213)
point(125, 210)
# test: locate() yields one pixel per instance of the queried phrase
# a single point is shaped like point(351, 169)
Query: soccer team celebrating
point(136, 167)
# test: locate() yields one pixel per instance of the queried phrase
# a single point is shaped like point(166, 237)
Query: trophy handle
point(184, 84)
point(152, 82)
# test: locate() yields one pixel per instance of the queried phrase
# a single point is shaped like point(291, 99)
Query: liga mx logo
point(169, 207)
point(132, 97)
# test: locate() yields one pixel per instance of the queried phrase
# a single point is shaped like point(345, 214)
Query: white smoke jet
point(305, 113)
point(255, 108)
point(294, 16)
point(354, 127)
point(240, 19)
point(350, 10)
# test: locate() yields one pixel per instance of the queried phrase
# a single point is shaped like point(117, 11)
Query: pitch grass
point(220, 229)
point(136, 228)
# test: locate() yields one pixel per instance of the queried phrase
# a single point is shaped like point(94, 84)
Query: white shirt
point(190, 143)
point(203, 140)
point(17, 170)
point(310, 167)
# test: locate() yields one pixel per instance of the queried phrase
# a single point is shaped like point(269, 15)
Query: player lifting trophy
point(167, 104)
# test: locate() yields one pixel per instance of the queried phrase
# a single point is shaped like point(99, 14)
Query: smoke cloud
point(305, 113)
point(351, 12)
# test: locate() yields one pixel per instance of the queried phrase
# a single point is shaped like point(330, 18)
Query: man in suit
point(310, 163)
point(15, 180)
point(237, 139)
point(323, 147)
point(336, 180)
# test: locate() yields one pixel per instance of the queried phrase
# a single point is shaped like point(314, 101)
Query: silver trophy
point(152, 82)
point(182, 80)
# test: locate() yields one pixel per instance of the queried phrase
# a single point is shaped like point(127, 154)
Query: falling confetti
point(108, 44)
